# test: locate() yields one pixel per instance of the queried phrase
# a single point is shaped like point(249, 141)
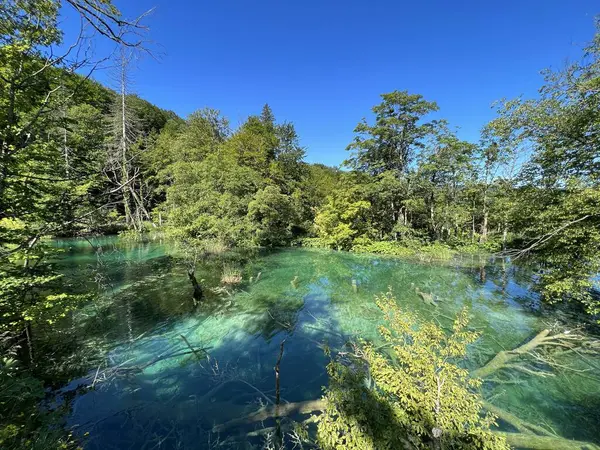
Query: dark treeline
point(79, 158)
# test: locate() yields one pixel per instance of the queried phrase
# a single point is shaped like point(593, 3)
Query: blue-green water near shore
point(150, 391)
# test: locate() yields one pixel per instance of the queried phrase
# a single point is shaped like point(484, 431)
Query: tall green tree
point(396, 136)
point(48, 175)
point(445, 167)
point(559, 209)
point(386, 150)
point(240, 187)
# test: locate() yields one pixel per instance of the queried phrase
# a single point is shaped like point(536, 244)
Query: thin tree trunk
point(484, 226)
point(29, 343)
point(277, 386)
point(65, 146)
point(197, 288)
point(432, 217)
point(6, 144)
point(124, 162)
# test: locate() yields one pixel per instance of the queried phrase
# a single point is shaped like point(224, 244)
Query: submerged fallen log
point(535, 442)
point(519, 424)
point(272, 412)
point(541, 350)
point(538, 356)
point(525, 438)
point(504, 357)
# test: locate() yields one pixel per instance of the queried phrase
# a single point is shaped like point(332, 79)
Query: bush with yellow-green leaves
point(410, 393)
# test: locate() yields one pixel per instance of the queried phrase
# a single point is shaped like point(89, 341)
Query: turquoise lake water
point(127, 340)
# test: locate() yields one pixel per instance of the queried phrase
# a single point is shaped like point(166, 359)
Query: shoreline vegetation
point(78, 158)
point(424, 251)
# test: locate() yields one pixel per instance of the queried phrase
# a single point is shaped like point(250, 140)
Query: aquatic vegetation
point(214, 247)
point(231, 275)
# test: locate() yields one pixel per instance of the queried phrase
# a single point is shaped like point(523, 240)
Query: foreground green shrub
point(23, 423)
point(411, 393)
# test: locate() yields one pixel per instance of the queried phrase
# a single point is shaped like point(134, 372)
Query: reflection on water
point(164, 372)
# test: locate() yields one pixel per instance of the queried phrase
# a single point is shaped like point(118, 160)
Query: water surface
point(123, 342)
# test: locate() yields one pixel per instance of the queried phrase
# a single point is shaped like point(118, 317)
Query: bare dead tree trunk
point(123, 141)
point(484, 225)
point(122, 168)
point(29, 343)
point(277, 387)
point(198, 294)
point(66, 150)
point(432, 215)
point(278, 431)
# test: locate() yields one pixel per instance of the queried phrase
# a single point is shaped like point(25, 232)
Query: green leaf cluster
point(412, 392)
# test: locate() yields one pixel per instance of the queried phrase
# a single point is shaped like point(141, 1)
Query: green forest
point(79, 159)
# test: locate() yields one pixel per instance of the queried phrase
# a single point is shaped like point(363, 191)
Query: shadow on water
point(178, 403)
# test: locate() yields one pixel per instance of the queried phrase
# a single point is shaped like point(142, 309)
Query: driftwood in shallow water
point(504, 357)
point(426, 296)
point(277, 387)
point(124, 370)
point(534, 437)
point(198, 294)
point(269, 412)
point(535, 442)
point(294, 282)
point(568, 341)
point(207, 396)
point(197, 354)
point(518, 424)
point(526, 439)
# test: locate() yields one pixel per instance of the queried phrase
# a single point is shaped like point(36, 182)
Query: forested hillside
point(79, 159)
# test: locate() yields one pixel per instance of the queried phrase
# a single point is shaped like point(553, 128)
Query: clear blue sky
point(322, 64)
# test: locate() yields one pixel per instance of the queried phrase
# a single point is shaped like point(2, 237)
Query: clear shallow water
point(143, 398)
